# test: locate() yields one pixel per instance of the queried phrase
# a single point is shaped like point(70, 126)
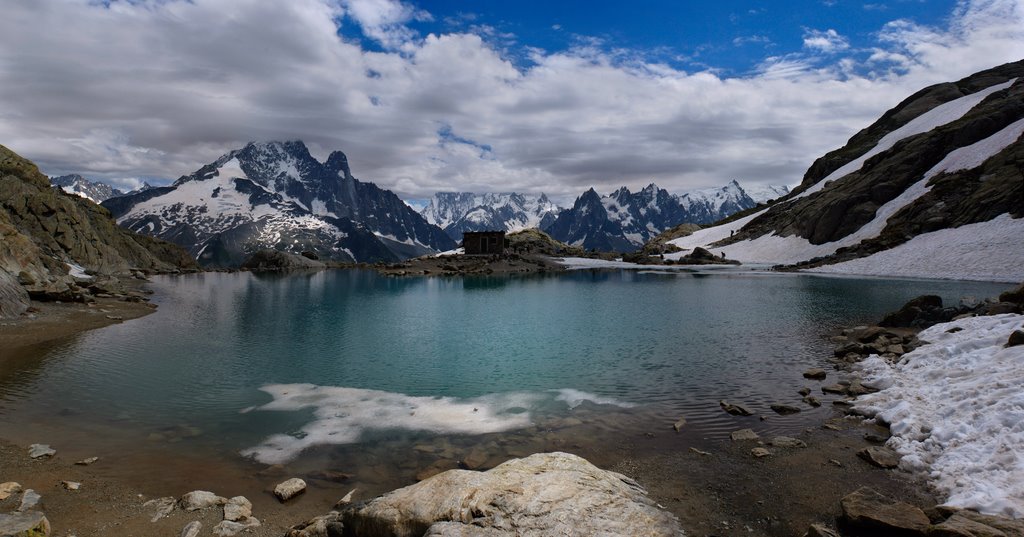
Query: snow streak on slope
point(986, 251)
point(936, 117)
point(956, 411)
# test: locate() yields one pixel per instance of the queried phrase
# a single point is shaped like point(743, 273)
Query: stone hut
point(484, 242)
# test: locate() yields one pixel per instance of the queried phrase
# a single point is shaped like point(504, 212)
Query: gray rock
point(1011, 527)
point(200, 499)
point(743, 435)
point(39, 451)
point(880, 456)
point(161, 507)
point(1016, 338)
point(543, 494)
point(87, 462)
point(804, 391)
point(820, 530)
point(289, 489)
point(347, 499)
point(812, 400)
point(9, 488)
point(834, 388)
point(328, 525)
point(961, 526)
point(784, 409)
point(24, 525)
point(227, 528)
point(786, 442)
point(29, 500)
point(678, 425)
point(71, 485)
point(192, 529)
point(815, 373)
point(237, 508)
point(760, 452)
point(868, 511)
point(735, 410)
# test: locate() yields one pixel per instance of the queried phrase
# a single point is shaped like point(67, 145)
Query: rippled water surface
point(271, 365)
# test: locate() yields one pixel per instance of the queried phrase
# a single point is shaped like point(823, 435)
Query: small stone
point(1016, 338)
point(820, 530)
point(9, 488)
point(700, 452)
point(679, 424)
point(805, 391)
point(787, 442)
point(759, 452)
point(227, 528)
point(162, 507)
point(29, 500)
point(815, 373)
point(289, 489)
point(784, 409)
point(192, 529)
point(834, 462)
point(39, 451)
point(735, 410)
point(834, 388)
point(87, 462)
point(345, 500)
point(237, 508)
point(24, 524)
point(812, 400)
point(879, 456)
point(200, 499)
point(71, 485)
point(743, 435)
point(868, 511)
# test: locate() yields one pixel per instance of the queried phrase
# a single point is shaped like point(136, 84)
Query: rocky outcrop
point(45, 230)
point(540, 495)
point(274, 260)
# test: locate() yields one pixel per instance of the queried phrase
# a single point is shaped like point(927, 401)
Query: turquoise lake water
point(270, 366)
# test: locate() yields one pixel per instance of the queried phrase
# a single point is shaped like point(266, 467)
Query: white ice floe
point(343, 415)
point(956, 409)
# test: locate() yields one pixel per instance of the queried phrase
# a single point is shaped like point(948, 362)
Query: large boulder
point(543, 494)
point(869, 512)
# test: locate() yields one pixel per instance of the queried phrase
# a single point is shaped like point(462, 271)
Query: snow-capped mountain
point(932, 189)
point(91, 190)
point(621, 221)
point(765, 193)
point(458, 212)
point(276, 195)
point(710, 205)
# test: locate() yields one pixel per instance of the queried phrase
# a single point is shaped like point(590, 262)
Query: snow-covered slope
point(275, 195)
point(887, 209)
point(91, 190)
point(458, 212)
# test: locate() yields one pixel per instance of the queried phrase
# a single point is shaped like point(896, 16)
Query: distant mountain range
point(624, 221)
point(276, 195)
point(458, 212)
point(76, 184)
point(621, 221)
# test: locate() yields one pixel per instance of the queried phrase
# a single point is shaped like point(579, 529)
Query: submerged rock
point(784, 409)
point(743, 435)
point(815, 373)
point(543, 494)
point(735, 410)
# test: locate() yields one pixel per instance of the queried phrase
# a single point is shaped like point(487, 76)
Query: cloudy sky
point(441, 95)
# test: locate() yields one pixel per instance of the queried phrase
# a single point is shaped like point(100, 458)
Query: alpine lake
point(356, 380)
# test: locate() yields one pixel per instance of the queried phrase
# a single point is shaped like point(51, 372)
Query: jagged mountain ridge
point(458, 212)
point(276, 195)
point(94, 191)
point(948, 157)
point(624, 221)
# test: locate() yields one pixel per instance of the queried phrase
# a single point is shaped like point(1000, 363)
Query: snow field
point(956, 411)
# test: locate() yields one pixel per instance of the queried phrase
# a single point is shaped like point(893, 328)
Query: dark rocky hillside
point(43, 230)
